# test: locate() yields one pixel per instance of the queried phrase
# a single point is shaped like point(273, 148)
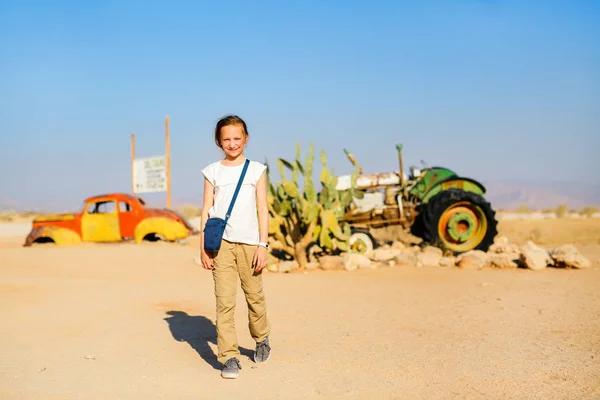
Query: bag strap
point(237, 189)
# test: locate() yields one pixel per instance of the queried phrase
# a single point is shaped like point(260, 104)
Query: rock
point(413, 249)
point(406, 260)
point(312, 265)
point(383, 254)
point(273, 267)
point(350, 267)
point(534, 257)
point(398, 245)
point(408, 238)
point(513, 251)
point(331, 263)
point(567, 256)
point(502, 261)
point(353, 261)
point(447, 261)
point(501, 240)
point(288, 266)
point(507, 248)
point(428, 259)
point(474, 259)
point(433, 250)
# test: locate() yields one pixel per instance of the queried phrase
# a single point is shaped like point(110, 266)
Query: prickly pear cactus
point(300, 216)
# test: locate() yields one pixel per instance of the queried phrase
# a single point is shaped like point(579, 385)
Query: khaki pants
point(233, 260)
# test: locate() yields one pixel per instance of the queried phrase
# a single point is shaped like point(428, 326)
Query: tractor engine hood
point(365, 181)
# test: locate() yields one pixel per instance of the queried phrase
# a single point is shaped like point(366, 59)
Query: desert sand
point(126, 321)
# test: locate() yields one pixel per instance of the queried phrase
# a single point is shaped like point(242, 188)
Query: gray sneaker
point(263, 351)
point(231, 369)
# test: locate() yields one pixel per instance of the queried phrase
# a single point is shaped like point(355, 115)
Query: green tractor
point(434, 204)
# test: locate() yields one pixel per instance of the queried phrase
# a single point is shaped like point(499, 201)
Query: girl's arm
point(209, 198)
point(262, 208)
point(261, 256)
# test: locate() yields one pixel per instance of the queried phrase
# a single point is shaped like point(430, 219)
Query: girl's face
point(233, 140)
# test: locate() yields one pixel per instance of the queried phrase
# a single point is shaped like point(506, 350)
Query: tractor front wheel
point(361, 242)
point(459, 221)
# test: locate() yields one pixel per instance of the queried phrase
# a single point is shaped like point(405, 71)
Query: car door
point(128, 219)
point(100, 222)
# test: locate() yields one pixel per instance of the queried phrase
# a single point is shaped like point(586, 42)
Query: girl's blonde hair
point(229, 120)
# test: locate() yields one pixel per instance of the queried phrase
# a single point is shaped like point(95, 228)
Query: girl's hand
point(261, 258)
point(207, 261)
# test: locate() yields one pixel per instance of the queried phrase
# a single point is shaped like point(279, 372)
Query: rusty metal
point(391, 194)
point(129, 212)
point(353, 161)
point(399, 150)
point(391, 198)
point(34, 235)
point(386, 216)
point(379, 223)
point(368, 181)
point(52, 233)
point(391, 213)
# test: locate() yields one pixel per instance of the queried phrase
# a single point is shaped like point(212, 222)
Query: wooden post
point(132, 163)
point(168, 157)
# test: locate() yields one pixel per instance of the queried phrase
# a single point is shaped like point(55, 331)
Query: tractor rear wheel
point(459, 221)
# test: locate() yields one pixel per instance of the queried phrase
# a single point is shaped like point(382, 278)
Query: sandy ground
point(136, 322)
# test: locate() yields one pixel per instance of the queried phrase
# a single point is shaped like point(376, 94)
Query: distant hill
point(46, 207)
point(502, 195)
point(539, 196)
point(6, 204)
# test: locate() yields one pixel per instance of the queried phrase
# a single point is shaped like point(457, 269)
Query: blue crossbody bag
point(214, 227)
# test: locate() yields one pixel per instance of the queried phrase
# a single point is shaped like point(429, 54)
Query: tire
point(361, 242)
point(458, 221)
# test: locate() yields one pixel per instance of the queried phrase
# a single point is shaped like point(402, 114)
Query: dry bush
point(588, 211)
point(562, 211)
point(8, 215)
point(535, 235)
point(523, 209)
point(29, 214)
point(190, 211)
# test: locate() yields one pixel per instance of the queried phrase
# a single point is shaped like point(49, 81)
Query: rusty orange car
point(112, 217)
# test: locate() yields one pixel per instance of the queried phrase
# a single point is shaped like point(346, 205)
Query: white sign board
point(150, 174)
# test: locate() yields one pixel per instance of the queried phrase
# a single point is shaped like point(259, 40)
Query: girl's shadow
point(198, 332)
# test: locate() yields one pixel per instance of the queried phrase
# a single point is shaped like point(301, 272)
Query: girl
point(244, 248)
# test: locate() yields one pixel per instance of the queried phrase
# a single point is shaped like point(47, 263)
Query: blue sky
point(495, 90)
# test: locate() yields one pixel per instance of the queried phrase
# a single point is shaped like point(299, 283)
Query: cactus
point(301, 216)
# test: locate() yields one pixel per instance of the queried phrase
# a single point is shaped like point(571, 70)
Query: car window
point(102, 207)
point(124, 207)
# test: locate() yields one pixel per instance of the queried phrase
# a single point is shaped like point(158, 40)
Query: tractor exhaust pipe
point(399, 150)
point(353, 161)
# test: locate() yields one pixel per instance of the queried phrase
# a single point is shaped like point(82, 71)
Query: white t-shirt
point(242, 226)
